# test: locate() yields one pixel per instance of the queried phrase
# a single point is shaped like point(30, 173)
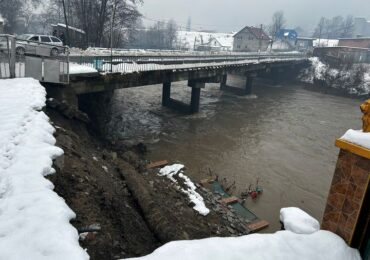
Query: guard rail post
point(12, 57)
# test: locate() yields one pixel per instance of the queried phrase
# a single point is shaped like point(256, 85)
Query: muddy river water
point(283, 135)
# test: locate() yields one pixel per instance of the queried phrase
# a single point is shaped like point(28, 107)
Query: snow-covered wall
point(34, 220)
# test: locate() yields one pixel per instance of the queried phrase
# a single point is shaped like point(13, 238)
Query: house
point(361, 42)
point(202, 41)
point(304, 43)
point(286, 34)
point(285, 40)
point(342, 55)
point(76, 36)
point(218, 43)
point(251, 39)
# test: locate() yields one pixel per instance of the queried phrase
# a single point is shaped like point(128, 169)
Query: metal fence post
point(12, 57)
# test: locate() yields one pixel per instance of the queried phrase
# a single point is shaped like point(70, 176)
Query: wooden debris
point(207, 183)
point(258, 225)
point(157, 164)
point(230, 200)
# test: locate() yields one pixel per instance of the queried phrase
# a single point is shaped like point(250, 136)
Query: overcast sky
point(231, 15)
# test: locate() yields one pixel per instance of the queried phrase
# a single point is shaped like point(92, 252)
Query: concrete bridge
point(117, 72)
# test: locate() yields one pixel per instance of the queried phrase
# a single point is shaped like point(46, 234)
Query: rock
point(91, 228)
point(232, 231)
point(59, 162)
point(114, 156)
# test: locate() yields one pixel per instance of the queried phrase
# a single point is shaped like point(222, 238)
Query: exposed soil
point(122, 209)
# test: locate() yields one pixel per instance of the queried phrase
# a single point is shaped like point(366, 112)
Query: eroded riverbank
point(123, 209)
point(284, 136)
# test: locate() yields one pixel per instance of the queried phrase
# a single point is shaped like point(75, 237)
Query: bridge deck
point(127, 75)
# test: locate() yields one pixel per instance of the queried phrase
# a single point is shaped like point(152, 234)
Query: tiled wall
point(346, 195)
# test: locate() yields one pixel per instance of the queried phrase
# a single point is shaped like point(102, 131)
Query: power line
point(184, 24)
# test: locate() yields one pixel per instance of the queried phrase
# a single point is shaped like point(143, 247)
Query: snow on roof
point(306, 38)
point(325, 42)
point(257, 32)
point(282, 245)
point(69, 27)
point(189, 39)
point(34, 220)
point(226, 40)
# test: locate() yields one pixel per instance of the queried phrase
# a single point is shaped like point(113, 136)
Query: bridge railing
point(42, 61)
point(128, 63)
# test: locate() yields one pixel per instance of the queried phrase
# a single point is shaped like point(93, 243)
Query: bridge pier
point(249, 84)
point(223, 84)
point(195, 99)
point(166, 94)
point(247, 90)
point(191, 108)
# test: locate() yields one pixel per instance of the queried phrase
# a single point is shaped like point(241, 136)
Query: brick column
point(348, 189)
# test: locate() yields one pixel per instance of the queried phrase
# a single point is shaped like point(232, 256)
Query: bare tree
point(278, 22)
point(348, 27)
point(336, 27)
point(171, 34)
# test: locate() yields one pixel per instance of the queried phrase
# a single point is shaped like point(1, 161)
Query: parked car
point(27, 43)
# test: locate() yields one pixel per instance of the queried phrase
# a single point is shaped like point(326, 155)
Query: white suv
point(26, 43)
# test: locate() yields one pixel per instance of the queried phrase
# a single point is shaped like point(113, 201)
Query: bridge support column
point(196, 87)
point(277, 76)
point(166, 94)
point(223, 84)
point(195, 100)
point(191, 108)
point(249, 85)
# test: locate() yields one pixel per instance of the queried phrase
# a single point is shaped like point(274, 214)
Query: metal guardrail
point(22, 58)
point(129, 63)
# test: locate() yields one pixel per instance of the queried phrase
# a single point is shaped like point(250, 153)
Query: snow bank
point(75, 68)
point(357, 137)
point(298, 221)
point(171, 171)
point(283, 245)
point(34, 221)
point(354, 80)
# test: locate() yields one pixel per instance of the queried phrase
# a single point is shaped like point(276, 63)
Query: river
point(283, 135)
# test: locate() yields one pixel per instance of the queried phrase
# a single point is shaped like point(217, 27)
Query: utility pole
point(260, 43)
point(111, 36)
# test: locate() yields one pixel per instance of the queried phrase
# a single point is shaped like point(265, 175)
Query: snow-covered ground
point(34, 220)
point(355, 80)
point(283, 245)
point(176, 170)
point(298, 221)
point(357, 137)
